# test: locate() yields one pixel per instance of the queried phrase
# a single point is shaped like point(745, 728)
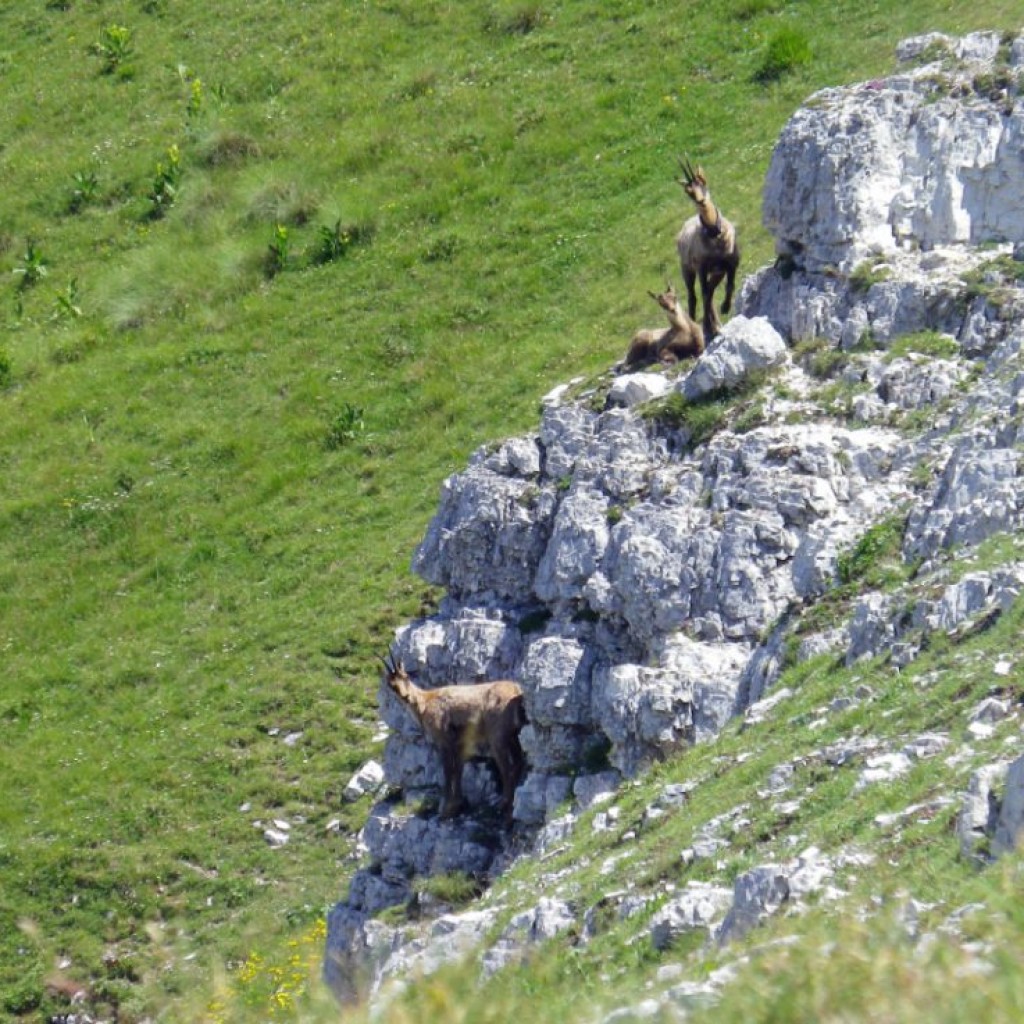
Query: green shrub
point(787, 51)
point(66, 305)
point(820, 358)
point(867, 273)
point(745, 10)
point(926, 343)
point(456, 889)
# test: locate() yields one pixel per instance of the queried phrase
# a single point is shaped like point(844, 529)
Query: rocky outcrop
point(641, 563)
point(878, 195)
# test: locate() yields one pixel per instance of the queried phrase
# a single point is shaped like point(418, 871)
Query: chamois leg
point(451, 803)
point(511, 762)
point(690, 279)
point(730, 283)
point(707, 293)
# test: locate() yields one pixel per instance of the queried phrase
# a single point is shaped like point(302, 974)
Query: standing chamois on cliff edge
point(466, 721)
point(707, 249)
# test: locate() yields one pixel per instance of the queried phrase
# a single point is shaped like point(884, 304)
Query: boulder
point(743, 348)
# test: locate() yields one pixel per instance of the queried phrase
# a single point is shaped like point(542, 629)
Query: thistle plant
point(165, 183)
point(278, 252)
point(194, 107)
point(84, 186)
point(66, 303)
point(113, 48)
point(33, 268)
point(333, 242)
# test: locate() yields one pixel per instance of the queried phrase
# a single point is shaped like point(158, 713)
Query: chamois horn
point(690, 175)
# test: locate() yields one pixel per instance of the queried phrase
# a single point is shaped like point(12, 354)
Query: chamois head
point(668, 300)
point(396, 676)
point(694, 183)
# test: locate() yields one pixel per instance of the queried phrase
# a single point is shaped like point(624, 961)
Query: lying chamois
point(707, 249)
point(682, 339)
point(481, 720)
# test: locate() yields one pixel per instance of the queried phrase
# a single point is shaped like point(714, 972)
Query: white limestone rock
point(404, 844)
point(648, 713)
point(979, 811)
point(577, 544)
point(595, 788)
point(883, 768)
point(745, 346)
point(870, 167)
point(488, 536)
point(979, 494)
point(539, 797)
point(701, 906)
point(756, 894)
point(368, 779)
point(636, 388)
point(550, 917)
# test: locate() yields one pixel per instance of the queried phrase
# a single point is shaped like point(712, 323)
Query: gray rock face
point(979, 810)
point(700, 906)
point(897, 177)
point(866, 168)
point(1010, 826)
point(882, 623)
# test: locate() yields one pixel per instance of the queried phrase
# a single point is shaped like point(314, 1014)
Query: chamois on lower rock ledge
point(467, 721)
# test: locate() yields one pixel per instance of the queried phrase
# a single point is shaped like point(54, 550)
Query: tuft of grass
point(820, 358)
point(739, 407)
point(788, 51)
point(925, 343)
point(876, 559)
point(869, 272)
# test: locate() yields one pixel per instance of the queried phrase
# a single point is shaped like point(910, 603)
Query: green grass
point(214, 478)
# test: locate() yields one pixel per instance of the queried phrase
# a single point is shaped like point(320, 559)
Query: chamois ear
point(653, 295)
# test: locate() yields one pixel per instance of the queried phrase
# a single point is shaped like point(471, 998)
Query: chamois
point(707, 249)
point(466, 721)
point(682, 339)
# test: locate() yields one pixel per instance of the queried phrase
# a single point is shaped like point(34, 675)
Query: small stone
point(368, 779)
point(991, 710)
point(276, 838)
point(981, 730)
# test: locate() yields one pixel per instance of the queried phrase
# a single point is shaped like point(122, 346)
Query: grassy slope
point(179, 549)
